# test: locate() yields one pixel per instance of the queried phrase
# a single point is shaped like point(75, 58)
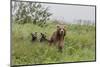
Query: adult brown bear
point(58, 37)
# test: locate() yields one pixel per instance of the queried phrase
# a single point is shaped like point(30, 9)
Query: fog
point(71, 13)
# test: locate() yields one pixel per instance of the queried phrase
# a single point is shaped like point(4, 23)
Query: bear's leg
point(60, 46)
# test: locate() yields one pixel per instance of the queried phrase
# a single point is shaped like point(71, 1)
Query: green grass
point(79, 44)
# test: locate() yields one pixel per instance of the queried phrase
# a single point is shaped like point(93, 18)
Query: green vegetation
point(79, 44)
point(30, 17)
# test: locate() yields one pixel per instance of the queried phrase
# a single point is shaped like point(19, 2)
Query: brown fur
point(58, 37)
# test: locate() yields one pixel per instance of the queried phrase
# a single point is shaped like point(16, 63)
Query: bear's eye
point(59, 28)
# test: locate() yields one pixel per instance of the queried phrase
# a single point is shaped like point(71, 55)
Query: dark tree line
point(28, 12)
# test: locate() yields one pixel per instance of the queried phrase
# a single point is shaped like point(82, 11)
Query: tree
point(26, 12)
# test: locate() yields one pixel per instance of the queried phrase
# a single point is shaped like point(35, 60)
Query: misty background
point(59, 12)
point(71, 13)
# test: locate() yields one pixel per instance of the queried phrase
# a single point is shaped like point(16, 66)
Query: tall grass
point(79, 44)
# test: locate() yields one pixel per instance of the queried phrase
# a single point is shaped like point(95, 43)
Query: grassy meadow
point(79, 44)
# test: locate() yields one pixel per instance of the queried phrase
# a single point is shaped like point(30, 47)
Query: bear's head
point(61, 30)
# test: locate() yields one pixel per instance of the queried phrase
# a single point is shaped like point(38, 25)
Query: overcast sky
point(69, 13)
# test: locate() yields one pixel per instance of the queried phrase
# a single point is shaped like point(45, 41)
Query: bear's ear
point(65, 26)
point(58, 26)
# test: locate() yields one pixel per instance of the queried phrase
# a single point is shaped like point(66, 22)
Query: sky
point(70, 13)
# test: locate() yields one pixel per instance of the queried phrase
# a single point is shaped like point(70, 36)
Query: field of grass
point(79, 44)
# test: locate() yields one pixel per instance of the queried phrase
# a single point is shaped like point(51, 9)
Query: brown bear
point(58, 37)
